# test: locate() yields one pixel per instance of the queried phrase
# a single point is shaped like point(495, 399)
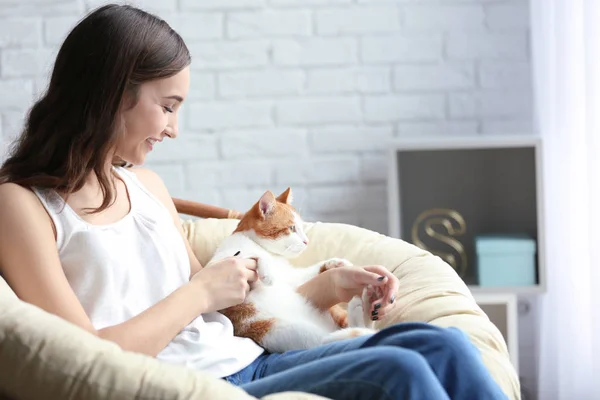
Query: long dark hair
point(71, 130)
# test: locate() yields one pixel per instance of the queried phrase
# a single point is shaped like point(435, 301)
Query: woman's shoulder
point(144, 175)
point(20, 208)
point(153, 183)
point(149, 179)
point(11, 193)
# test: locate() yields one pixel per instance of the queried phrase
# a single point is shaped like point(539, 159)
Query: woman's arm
point(339, 285)
point(30, 264)
point(319, 291)
point(151, 331)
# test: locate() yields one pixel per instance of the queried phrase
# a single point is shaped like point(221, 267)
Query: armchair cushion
point(43, 356)
point(430, 290)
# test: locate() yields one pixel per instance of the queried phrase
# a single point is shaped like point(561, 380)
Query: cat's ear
point(266, 203)
point(286, 197)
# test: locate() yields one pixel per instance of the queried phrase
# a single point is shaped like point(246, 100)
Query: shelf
point(502, 310)
point(444, 192)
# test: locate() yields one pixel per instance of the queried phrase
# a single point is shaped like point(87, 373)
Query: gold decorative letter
point(454, 225)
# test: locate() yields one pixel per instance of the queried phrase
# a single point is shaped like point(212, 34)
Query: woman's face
point(154, 117)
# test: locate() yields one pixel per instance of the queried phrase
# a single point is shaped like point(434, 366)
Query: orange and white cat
point(274, 315)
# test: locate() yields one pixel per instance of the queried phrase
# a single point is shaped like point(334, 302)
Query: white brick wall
point(268, 22)
point(305, 92)
point(319, 51)
point(445, 17)
point(357, 20)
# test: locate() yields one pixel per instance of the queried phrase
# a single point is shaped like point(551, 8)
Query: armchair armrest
point(202, 210)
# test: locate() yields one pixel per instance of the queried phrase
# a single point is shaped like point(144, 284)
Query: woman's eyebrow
point(175, 97)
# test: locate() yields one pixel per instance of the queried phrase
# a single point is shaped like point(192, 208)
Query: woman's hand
point(381, 286)
point(225, 283)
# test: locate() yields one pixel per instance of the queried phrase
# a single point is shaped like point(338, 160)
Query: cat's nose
point(305, 241)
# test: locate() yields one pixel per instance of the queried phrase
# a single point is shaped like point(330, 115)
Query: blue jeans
point(404, 361)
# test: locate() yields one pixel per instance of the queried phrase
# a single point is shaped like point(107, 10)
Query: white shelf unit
point(394, 190)
point(502, 309)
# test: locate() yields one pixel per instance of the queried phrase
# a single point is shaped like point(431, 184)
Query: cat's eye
point(293, 228)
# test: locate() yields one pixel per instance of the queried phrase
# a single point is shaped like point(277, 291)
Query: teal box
point(505, 260)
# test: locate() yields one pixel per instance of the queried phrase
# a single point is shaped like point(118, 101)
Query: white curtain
point(566, 67)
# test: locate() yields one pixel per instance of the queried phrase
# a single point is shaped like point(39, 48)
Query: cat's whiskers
point(289, 249)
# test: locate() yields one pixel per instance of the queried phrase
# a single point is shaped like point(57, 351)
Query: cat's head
point(275, 225)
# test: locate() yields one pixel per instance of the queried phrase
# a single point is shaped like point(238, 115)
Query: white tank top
point(120, 269)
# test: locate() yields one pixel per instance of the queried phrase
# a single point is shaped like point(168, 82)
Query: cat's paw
point(356, 312)
point(336, 263)
point(365, 300)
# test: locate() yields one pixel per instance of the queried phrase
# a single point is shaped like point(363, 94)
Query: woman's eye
point(168, 109)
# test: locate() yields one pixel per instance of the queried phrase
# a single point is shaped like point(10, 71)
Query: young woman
point(101, 245)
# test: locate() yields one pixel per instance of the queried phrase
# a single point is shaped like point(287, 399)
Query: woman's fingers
point(376, 301)
point(382, 292)
point(370, 278)
point(379, 305)
point(250, 265)
point(374, 298)
point(389, 283)
point(251, 275)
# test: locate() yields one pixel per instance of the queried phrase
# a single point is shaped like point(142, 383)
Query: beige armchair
point(44, 357)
